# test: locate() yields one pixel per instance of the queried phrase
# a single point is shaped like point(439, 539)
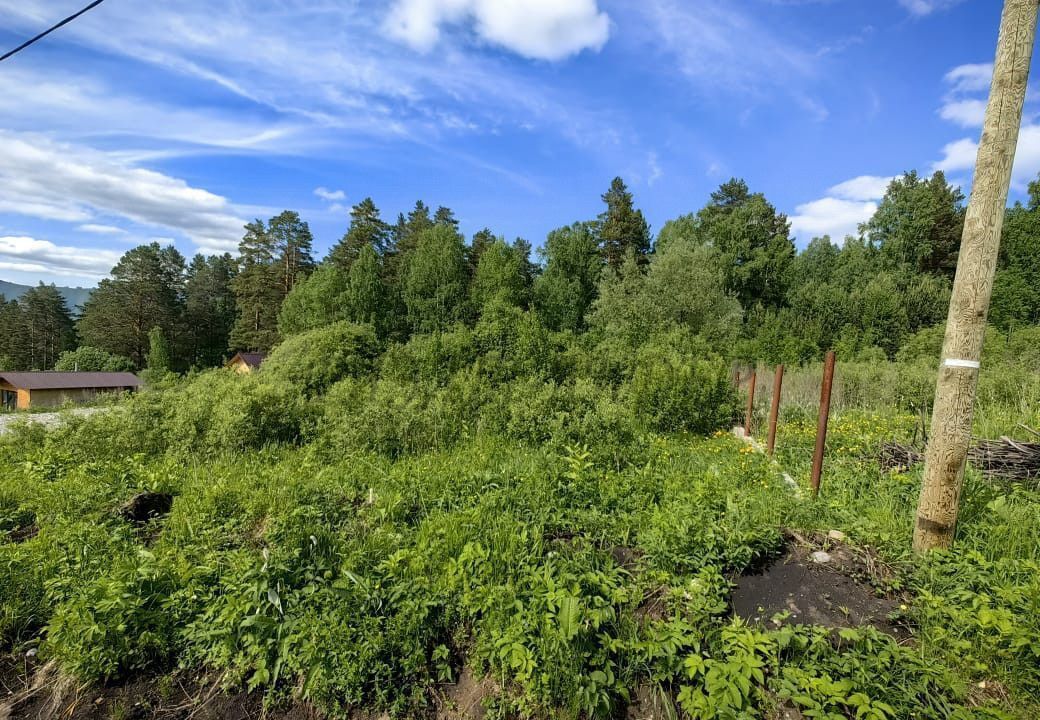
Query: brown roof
point(252, 359)
point(70, 380)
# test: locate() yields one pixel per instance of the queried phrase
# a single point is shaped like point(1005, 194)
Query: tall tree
point(753, 240)
point(1016, 290)
point(567, 288)
point(146, 290)
point(480, 242)
point(366, 293)
point(435, 280)
point(621, 227)
point(918, 224)
point(293, 247)
point(258, 290)
point(500, 277)
point(367, 229)
point(318, 301)
point(49, 329)
point(14, 347)
point(209, 312)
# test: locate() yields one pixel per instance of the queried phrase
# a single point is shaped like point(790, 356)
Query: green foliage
point(435, 280)
point(567, 288)
point(621, 228)
point(312, 361)
point(91, 359)
point(317, 301)
point(672, 394)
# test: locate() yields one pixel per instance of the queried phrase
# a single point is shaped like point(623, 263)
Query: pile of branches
point(1003, 458)
point(1006, 458)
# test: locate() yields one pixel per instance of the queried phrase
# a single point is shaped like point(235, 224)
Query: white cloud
point(966, 113)
point(27, 254)
point(101, 229)
point(830, 216)
point(958, 155)
point(655, 172)
point(862, 188)
point(59, 181)
point(972, 77)
point(927, 7)
point(330, 195)
point(840, 213)
point(541, 29)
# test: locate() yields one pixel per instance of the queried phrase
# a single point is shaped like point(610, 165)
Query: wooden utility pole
point(973, 284)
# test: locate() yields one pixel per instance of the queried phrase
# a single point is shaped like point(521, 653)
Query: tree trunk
point(973, 284)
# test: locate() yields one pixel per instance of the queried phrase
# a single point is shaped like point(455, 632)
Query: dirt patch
point(146, 506)
point(626, 558)
point(15, 671)
point(22, 533)
point(651, 702)
point(179, 696)
point(821, 581)
point(465, 700)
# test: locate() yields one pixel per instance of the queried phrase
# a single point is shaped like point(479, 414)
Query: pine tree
point(367, 229)
point(446, 217)
point(621, 227)
point(49, 329)
point(258, 290)
point(14, 345)
point(209, 309)
point(293, 247)
point(146, 290)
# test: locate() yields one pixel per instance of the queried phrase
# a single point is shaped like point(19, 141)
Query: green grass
point(355, 580)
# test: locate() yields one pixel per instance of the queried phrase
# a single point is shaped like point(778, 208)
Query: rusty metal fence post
point(750, 402)
point(774, 408)
point(821, 426)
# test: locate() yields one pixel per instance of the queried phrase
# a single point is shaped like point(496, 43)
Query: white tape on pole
point(953, 363)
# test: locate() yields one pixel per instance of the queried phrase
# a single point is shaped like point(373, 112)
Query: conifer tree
point(366, 229)
point(621, 227)
point(146, 290)
point(293, 246)
point(48, 326)
point(209, 312)
point(258, 290)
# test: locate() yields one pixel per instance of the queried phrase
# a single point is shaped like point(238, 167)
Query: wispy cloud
point(31, 255)
point(330, 195)
point(60, 181)
point(927, 7)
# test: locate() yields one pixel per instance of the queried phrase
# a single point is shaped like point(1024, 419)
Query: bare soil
point(848, 590)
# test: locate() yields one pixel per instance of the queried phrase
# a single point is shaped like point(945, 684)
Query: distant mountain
point(75, 297)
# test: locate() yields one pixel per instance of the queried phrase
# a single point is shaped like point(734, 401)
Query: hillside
point(74, 296)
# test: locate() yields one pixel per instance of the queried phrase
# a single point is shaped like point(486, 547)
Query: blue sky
point(181, 120)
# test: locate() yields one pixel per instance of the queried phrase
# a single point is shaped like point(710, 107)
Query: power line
point(51, 29)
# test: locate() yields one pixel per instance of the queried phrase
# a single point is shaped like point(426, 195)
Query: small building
point(24, 390)
point(245, 362)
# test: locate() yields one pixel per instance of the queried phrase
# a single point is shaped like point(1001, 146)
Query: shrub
point(314, 360)
point(670, 393)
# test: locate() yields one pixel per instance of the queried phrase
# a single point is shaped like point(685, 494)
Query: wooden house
point(24, 390)
point(245, 362)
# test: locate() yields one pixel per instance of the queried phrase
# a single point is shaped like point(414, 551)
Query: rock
point(821, 557)
point(836, 535)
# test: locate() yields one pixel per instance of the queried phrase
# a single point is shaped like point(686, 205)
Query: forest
point(729, 272)
point(468, 484)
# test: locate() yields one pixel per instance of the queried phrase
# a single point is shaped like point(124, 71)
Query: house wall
point(241, 367)
point(57, 398)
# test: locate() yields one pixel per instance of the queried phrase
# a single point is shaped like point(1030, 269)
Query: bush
point(312, 361)
point(669, 393)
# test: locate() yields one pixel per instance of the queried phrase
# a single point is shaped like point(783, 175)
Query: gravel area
point(9, 420)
